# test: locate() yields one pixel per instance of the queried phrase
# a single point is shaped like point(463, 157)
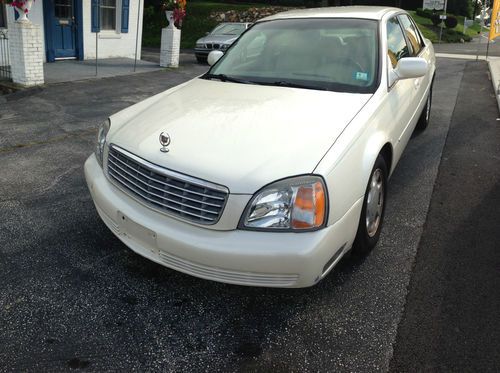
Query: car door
point(418, 49)
point(401, 92)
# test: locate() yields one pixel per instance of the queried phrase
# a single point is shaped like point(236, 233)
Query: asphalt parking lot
point(74, 297)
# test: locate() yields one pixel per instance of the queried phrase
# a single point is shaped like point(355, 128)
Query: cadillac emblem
point(164, 141)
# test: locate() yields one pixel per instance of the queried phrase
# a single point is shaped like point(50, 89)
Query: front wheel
point(372, 213)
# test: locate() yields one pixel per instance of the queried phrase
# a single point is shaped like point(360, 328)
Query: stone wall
point(249, 15)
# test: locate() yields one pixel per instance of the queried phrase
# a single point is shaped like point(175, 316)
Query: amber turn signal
point(309, 207)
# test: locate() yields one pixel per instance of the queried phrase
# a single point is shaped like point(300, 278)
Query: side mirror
point(408, 68)
point(214, 56)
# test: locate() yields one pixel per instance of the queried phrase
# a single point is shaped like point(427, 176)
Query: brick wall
point(26, 53)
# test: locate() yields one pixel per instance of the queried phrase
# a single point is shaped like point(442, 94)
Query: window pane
point(3, 19)
point(396, 42)
point(412, 35)
point(63, 8)
point(108, 14)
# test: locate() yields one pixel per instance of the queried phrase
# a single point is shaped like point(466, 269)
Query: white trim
point(109, 34)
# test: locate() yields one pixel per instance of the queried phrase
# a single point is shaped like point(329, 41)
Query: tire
point(369, 230)
point(423, 121)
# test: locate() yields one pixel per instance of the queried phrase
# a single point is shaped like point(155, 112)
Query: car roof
point(365, 12)
point(234, 23)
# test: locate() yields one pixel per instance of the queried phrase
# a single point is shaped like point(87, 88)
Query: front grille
point(168, 191)
point(213, 46)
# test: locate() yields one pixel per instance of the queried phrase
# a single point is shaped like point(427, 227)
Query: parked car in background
point(220, 38)
point(273, 165)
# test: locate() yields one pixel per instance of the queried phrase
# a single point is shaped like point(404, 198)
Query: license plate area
point(136, 232)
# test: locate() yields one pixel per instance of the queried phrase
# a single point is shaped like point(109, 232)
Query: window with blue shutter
point(125, 15)
point(95, 12)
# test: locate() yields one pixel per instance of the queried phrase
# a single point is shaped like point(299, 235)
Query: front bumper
point(203, 52)
point(234, 256)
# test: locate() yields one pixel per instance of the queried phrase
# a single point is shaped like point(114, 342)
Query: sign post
point(442, 18)
point(481, 31)
point(97, 37)
point(137, 34)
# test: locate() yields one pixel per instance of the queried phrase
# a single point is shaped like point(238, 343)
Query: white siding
point(113, 43)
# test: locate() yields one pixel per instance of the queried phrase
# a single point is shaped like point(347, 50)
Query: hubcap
point(375, 202)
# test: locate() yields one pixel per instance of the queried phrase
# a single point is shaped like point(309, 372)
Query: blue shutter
point(95, 16)
point(125, 15)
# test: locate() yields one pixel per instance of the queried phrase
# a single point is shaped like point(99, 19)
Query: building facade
point(78, 29)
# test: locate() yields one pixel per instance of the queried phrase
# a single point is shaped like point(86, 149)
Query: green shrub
point(453, 36)
point(435, 19)
point(451, 22)
point(426, 13)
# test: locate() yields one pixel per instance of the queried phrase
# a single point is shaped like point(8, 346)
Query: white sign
point(434, 4)
point(442, 16)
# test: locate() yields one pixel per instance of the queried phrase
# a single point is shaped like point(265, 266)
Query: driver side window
point(396, 43)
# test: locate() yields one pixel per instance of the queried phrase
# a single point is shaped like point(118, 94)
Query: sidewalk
point(72, 70)
point(494, 65)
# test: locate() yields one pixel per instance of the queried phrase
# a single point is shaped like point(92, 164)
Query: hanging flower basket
point(23, 7)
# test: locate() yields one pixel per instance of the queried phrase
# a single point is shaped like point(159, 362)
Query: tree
point(460, 7)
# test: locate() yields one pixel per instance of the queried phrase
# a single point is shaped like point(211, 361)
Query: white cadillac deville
point(266, 170)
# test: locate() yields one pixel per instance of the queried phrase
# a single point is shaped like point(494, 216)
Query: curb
point(494, 66)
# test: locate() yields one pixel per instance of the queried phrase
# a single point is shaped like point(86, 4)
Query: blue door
point(62, 29)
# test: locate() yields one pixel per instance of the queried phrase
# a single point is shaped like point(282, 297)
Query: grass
point(431, 32)
point(195, 25)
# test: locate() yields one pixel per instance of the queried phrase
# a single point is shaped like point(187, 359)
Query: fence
point(4, 56)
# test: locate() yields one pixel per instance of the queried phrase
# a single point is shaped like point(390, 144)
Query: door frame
point(49, 40)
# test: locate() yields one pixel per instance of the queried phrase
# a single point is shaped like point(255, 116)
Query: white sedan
point(269, 168)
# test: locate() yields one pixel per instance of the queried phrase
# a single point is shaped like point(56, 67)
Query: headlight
point(296, 204)
point(102, 132)
point(224, 46)
point(200, 45)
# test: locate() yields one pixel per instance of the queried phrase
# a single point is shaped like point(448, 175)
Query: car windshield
point(228, 29)
point(335, 54)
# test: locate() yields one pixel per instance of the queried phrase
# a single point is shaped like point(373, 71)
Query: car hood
point(237, 135)
point(218, 39)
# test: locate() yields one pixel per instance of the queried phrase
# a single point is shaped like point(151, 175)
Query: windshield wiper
point(226, 78)
point(284, 83)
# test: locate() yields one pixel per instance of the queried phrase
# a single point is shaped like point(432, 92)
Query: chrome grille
point(212, 46)
point(168, 191)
